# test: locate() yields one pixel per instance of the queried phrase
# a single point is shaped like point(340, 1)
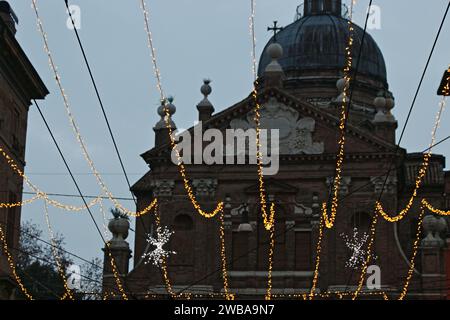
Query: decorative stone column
point(119, 250)
point(432, 254)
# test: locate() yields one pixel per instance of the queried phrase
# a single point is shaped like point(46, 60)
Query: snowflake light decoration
point(158, 255)
point(356, 244)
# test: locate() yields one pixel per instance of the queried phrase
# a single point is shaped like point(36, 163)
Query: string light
point(271, 252)
point(268, 219)
point(228, 296)
point(39, 193)
point(422, 172)
point(318, 252)
point(325, 221)
point(12, 265)
point(434, 210)
point(164, 101)
point(19, 203)
point(329, 221)
point(103, 213)
point(74, 126)
point(413, 257)
point(56, 257)
point(373, 229)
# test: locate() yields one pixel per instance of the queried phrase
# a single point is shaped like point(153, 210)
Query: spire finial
point(275, 30)
point(316, 7)
point(205, 107)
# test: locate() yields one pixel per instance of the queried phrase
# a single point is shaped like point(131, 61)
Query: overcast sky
point(195, 39)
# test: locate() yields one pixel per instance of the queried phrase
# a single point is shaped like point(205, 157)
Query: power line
point(47, 261)
point(97, 93)
point(78, 196)
point(71, 175)
point(58, 248)
point(98, 97)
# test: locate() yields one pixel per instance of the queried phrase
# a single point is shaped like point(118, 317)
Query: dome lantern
point(314, 7)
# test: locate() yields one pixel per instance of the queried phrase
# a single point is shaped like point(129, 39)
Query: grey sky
point(194, 40)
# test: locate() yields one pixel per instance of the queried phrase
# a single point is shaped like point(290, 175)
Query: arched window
point(183, 222)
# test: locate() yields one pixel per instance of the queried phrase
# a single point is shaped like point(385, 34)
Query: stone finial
point(205, 107)
point(275, 51)
point(119, 227)
point(432, 228)
point(161, 130)
point(384, 102)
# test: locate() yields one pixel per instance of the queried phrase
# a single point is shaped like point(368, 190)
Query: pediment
point(304, 129)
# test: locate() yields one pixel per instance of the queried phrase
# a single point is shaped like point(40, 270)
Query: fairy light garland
point(223, 255)
point(74, 126)
point(164, 101)
point(413, 257)
point(317, 265)
point(56, 257)
point(434, 210)
point(105, 224)
point(329, 221)
point(270, 267)
point(12, 265)
point(373, 229)
point(39, 193)
point(422, 172)
point(268, 218)
point(6, 205)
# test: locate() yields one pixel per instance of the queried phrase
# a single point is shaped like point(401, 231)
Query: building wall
point(19, 84)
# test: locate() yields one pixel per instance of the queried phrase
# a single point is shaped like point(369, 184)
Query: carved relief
point(205, 187)
point(344, 187)
point(296, 134)
point(162, 188)
point(389, 187)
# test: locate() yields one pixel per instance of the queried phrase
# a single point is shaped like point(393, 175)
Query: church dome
point(317, 41)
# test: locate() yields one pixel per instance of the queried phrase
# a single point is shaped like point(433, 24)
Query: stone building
point(300, 90)
point(19, 85)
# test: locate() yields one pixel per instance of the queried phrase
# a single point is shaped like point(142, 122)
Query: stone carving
point(205, 187)
point(302, 210)
point(296, 134)
point(433, 227)
point(320, 102)
point(389, 187)
point(344, 187)
point(162, 188)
